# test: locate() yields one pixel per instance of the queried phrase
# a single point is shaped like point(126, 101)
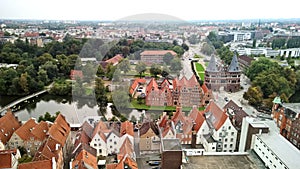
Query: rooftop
point(171, 145)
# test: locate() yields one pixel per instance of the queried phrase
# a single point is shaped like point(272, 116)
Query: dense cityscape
point(150, 94)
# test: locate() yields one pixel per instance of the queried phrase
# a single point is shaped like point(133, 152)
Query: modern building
point(171, 153)
point(287, 118)
point(155, 56)
point(217, 76)
point(263, 137)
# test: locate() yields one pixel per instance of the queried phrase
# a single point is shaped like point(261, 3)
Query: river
point(74, 109)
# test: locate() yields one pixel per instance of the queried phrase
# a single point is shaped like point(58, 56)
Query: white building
point(293, 52)
point(98, 142)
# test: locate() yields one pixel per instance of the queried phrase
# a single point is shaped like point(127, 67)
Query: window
point(229, 127)
point(95, 144)
point(225, 139)
point(225, 145)
point(115, 143)
point(100, 150)
point(110, 140)
point(99, 144)
point(231, 139)
point(232, 133)
point(110, 146)
point(230, 145)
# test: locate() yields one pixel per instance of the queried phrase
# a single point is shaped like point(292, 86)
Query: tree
point(193, 39)
point(42, 76)
point(212, 36)
point(179, 50)
point(278, 43)
point(100, 71)
point(166, 71)
point(100, 93)
point(185, 46)
point(176, 65)
point(89, 71)
point(124, 66)
point(207, 49)
point(168, 57)
point(47, 117)
point(254, 96)
point(155, 70)
point(140, 68)
point(24, 83)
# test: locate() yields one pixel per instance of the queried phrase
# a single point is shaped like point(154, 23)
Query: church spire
point(234, 65)
point(212, 66)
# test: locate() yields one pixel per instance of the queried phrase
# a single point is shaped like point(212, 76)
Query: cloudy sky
point(117, 9)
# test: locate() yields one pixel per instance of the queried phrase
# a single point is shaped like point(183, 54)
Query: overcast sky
point(117, 9)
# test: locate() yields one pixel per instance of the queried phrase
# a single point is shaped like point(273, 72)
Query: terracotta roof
point(44, 164)
point(25, 131)
point(246, 59)
point(87, 128)
point(40, 130)
point(111, 166)
point(85, 160)
point(178, 116)
point(115, 59)
point(126, 128)
point(163, 121)
point(217, 115)
point(126, 148)
point(152, 85)
point(158, 52)
point(101, 126)
point(81, 137)
point(239, 113)
point(167, 128)
point(5, 161)
point(135, 84)
point(60, 130)
point(148, 125)
point(8, 125)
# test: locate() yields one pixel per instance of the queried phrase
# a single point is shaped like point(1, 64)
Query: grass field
point(136, 105)
point(200, 70)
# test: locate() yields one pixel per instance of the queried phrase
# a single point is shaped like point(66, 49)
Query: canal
point(74, 109)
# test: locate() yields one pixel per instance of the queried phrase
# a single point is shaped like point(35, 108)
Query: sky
point(117, 9)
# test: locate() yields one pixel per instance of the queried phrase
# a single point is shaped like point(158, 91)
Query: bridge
point(12, 104)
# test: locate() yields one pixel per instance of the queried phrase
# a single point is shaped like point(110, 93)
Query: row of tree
point(283, 43)
point(269, 79)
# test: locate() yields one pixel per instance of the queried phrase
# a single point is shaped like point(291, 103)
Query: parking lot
point(220, 162)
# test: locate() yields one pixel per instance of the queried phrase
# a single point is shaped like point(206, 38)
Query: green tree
point(124, 66)
point(254, 96)
point(207, 49)
point(155, 70)
point(179, 50)
point(168, 57)
point(24, 83)
point(140, 68)
point(254, 43)
point(89, 71)
point(176, 65)
point(100, 71)
point(278, 43)
point(101, 97)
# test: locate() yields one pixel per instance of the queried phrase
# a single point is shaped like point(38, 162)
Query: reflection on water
point(73, 109)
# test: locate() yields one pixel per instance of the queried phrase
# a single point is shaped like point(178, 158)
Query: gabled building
point(8, 125)
point(84, 157)
point(287, 118)
point(217, 76)
point(9, 158)
point(30, 135)
point(184, 92)
point(149, 137)
point(222, 132)
point(155, 56)
point(44, 164)
point(53, 147)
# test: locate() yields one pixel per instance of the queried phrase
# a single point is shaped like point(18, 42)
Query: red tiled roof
point(152, 85)
point(44, 164)
point(135, 84)
point(158, 52)
point(101, 126)
point(178, 116)
point(198, 117)
point(115, 59)
point(126, 128)
point(25, 131)
point(5, 160)
point(147, 126)
point(87, 128)
point(8, 125)
point(219, 115)
point(85, 158)
point(40, 130)
point(60, 130)
point(126, 148)
point(163, 121)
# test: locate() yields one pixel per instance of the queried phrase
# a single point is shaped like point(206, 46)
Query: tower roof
point(234, 65)
point(212, 66)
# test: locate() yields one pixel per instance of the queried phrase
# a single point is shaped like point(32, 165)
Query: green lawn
point(136, 105)
point(199, 67)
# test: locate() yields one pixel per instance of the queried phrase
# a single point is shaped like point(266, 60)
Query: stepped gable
point(215, 115)
point(152, 86)
point(126, 148)
point(234, 65)
point(212, 66)
point(25, 131)
point(8, 125)
point(178, 116)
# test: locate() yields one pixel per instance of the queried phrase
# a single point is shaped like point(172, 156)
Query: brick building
point(287, 119)
point(155, 56)
point(217, 76)
point(184, 92)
